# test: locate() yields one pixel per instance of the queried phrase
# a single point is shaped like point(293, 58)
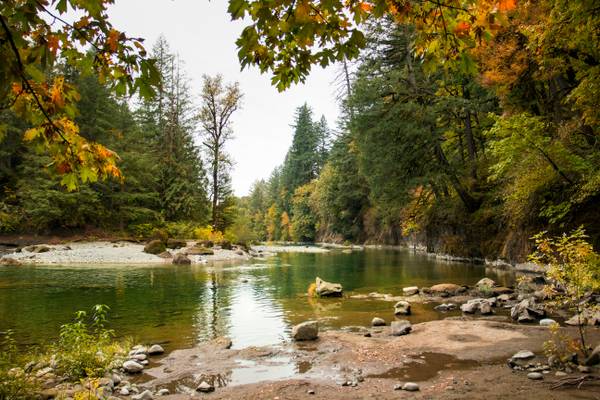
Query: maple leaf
point(507, 5)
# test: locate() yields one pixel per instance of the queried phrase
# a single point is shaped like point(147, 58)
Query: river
point(255, 303)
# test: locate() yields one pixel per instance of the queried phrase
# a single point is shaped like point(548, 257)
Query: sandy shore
point(121, 252)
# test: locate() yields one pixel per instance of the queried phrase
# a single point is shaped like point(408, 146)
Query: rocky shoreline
point(125, 252)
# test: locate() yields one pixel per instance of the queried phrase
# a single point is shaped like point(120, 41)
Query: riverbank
point(126, 252)
point(455, 358)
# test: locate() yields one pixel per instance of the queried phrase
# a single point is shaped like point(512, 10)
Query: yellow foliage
point(208, 233)
point(312, 289)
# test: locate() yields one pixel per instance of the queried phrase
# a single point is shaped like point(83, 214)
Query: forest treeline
point(467, 161)
point(168, 179)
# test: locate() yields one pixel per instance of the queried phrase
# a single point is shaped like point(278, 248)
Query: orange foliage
point(507, 5)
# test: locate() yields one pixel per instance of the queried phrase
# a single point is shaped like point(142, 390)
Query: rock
point(485, 308)
point(132, 367)
point(106, 382)
point(401, 327)
point(222, 343)
point(145, 395)
point(402, 308)
point(165, 254)
point(43, 371)
point(9, 261)
point(560, 373)
point(205, 387)
point(584, 369)
point(525, 317)
point(176, 243)
point(485, 285)
point(449, 289)
point(327, 289)
point(310, 391)
point(501, 290)
point(587, 317)
point(37, 248)
point(536, 376)
point(547, 322)
point(411, 290)
point(154, 247)
point(527, 311)
point(523, 355)
point(124, 391)
point(181, 259)
point(469, 307)
point(593, 358)
point(378, 322)
point(308, 330)
point(445, 307)
point(199, 251)
point(116, 378)
point(155, 349)
point(226, 245)
point(139, 357)
point(398, 386)
point(239, 252)
point(410, 387)
point(163, 392)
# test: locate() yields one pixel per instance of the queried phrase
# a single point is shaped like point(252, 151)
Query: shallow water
point(255, 303)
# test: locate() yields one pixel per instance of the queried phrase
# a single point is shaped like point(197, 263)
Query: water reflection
point(254, 303)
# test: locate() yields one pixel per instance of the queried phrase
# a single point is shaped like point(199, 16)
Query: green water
point(255, 303)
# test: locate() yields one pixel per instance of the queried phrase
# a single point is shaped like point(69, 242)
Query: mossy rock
point(155, 247)
point(226, 245)
point(200, 251)
point(205, 243)
point(176, 243)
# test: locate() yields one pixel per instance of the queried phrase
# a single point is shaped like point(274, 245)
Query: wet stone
point(536, 376)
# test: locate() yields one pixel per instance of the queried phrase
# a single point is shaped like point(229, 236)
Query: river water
point(255, 303)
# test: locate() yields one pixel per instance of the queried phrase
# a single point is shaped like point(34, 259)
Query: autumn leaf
point(53, 43)
point(462, 28)
point(113, 40)
point(507, 5)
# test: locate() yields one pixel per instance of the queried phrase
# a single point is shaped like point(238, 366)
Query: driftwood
point(574, 381)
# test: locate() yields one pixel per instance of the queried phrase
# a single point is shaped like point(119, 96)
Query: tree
point(323, 142)
point(219, 102)
point(34, 38)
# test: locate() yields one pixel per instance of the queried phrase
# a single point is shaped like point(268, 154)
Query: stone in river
point(155, 247)
point(523, 355)
point(399, 328)
point(124, 391)
point(132, 367)
point(327, 289)
point(446, 288)
point(308, 330)
point(410, 387)
point(378, 322)
point(469, 308)
point(205, 387)
point(181, 259)
point(536, 376)
point(409, 291)
point(155, 349)
point(402, 308)
point(485, 308)
point(163, 392)
point(145, 395)
point(547, 322)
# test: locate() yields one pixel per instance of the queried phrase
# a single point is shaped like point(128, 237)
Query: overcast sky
point(203, 35)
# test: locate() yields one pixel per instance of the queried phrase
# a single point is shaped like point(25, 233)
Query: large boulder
point(446, 289)
point(401, 327)
point(176, 243)
point(587, 317)
point(594, 358)
point(181, 259)
point(308, 330)
point(154, 247)
point(327, 289)
point(402, 308)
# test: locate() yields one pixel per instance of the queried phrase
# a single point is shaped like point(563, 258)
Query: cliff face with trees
point(468, 161)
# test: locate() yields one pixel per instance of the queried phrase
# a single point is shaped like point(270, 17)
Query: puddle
point(246, 372)
point(425, 367)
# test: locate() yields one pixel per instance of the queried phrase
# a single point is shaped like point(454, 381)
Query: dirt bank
point(449, 359)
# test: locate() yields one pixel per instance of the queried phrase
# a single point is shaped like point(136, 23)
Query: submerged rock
point(402, 308)
point(308, 330)
point(401, 327)
point(181, 259)
point(327, 289)
point(378, 322)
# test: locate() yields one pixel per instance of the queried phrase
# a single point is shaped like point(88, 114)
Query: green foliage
point(573, 269)
point(86, 347)
point(15, 384)
point(303, 228)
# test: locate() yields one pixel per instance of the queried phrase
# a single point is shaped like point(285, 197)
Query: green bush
point(15, 384)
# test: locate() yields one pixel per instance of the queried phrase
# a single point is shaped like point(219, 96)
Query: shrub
point(15, 384)
point(86, 347)
point(573, 271)
point(207, 233)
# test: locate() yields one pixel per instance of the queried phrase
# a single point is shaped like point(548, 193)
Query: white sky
point(203, 35)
